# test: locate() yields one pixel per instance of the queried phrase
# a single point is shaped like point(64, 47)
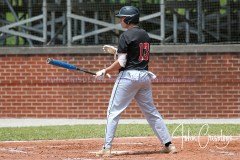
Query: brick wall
point(188, 86)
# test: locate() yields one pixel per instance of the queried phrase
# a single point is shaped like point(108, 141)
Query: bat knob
point(49, 60)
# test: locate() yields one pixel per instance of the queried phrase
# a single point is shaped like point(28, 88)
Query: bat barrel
point(69, 66)
point(61, 64)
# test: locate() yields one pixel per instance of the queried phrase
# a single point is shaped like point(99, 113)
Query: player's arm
point(120, 62)
point(120, 57)
point(113, 67)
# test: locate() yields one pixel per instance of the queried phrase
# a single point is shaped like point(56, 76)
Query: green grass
point(98, 131)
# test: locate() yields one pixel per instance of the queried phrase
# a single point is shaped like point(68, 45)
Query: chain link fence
point(93, 22)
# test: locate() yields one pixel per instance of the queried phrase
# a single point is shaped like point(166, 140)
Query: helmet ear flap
point(127, 20)
point(132, 19)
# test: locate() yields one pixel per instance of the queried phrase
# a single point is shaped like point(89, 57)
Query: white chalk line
point(129, 152)
point(101, 139)
point(233, 137)
point(136, 143)
point(13, 150)
point(223, 152)
point(112, 152)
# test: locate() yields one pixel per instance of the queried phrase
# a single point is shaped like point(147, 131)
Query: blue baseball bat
point(67, 65)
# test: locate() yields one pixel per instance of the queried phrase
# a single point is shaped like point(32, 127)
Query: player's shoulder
point(134, 31)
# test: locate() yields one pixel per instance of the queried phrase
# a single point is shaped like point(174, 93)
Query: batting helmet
point(131, 13)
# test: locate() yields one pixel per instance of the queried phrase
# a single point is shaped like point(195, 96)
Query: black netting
point(186, 21)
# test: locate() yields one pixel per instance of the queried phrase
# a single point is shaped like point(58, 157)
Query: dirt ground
point(137, 148)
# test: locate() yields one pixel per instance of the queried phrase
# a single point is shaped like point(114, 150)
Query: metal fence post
point(64, 29)
point(238, 25)
point(96, 28)
point(44, 9)
point(175, 28)
point(199, 20)
point(187, 26)
point(162, 8)
point(229, 32)
point(53, 26)
point(69, 24)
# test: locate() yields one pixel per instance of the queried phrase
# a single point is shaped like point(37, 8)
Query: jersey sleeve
point(122, 45)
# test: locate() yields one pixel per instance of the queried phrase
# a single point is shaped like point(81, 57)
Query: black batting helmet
point(131, 13)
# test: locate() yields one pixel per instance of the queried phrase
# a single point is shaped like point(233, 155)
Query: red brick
point(27, 91)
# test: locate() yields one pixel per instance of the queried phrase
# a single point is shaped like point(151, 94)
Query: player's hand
point(101, 74)
point(110, 49)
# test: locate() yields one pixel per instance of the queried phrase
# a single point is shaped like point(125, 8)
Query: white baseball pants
point(134, 84)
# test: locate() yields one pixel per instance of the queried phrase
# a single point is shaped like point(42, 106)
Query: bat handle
point(108, 75)
point(93, 73)
point(88, 72)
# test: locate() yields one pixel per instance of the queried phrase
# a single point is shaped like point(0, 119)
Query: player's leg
point(145, 102)
point(123, 92)
point(122, 95)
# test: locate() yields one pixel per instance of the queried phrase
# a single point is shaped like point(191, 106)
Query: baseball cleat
point(171, 149)
point(105, 152)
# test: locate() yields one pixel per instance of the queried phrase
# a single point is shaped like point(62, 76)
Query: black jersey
point(136, 43)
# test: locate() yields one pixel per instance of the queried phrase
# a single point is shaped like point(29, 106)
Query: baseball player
point(133, 81)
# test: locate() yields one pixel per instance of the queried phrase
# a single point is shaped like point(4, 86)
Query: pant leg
point(145, 102)
point(123, 92)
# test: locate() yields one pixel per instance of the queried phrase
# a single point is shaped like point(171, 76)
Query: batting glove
point(110, 49)
point(101, 74)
